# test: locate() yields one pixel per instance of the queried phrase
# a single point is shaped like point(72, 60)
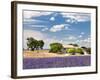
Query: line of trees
point(58, 48)
point(34, 44)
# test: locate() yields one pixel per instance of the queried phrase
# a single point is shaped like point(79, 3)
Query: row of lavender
point(56, 62)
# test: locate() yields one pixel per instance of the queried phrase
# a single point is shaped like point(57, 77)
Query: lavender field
point(56, 62)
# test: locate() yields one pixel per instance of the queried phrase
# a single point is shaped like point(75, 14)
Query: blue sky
point(53, 26)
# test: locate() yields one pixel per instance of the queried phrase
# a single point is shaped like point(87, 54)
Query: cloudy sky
point(62, 27)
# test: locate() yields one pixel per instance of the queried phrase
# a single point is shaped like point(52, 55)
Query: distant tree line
point(58, 48)
point(34, 44)
point(76, 45)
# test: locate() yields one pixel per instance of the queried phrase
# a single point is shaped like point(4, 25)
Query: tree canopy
point(79, 50)
point(34, 44)
point(56, 47)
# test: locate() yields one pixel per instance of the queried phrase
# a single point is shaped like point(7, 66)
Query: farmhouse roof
point(68, 46)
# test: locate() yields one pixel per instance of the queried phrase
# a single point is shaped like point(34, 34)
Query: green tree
point(34, 44)
point(30, 43)
point(41, 44)
point(76, 45)
point(71, 50)
point(89, 50)
point(79, 50)
point(83, 47)
point(56, 47)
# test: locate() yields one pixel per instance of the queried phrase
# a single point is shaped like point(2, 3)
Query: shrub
point(79, 50)
point(71, 50)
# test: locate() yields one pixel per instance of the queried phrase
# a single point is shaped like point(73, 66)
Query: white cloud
point(66, 28)
point(84, 42)
point(45, 29)
point(57, 28)
point(29, 14)
point(76, 17)
point(71, 37)
point(36, 26)
point(60, 27)
point(77, 41)
point(32, 33)
point(80, 18)
point(52, 18)
point(68, 20)
point(33, 21)
point(71, 20)
point(61, 41)
point(80, 36)
point(87, 40)
point(82, 33)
